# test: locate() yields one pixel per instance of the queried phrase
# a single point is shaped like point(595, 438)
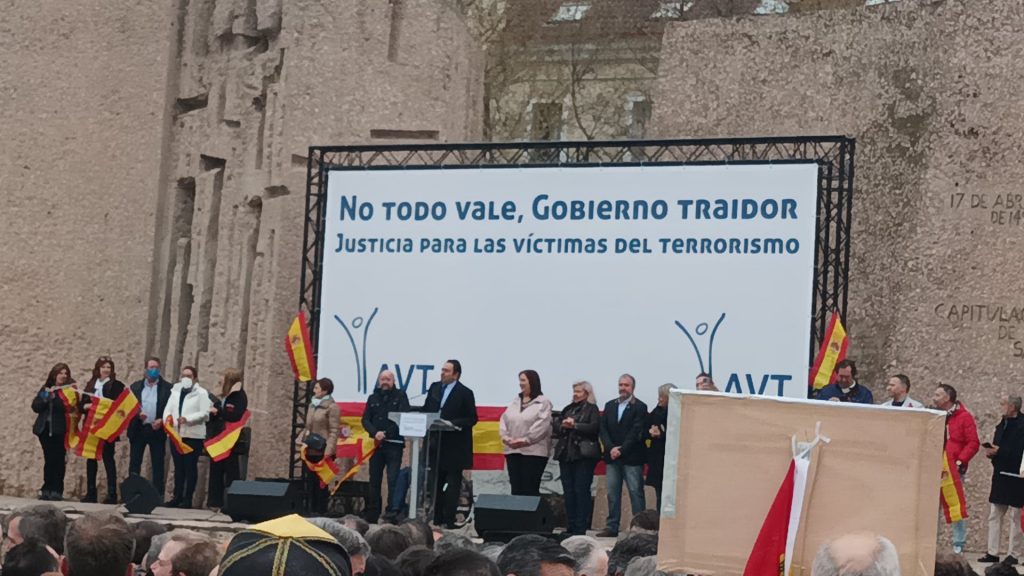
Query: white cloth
point(907, 403)
point(195, 409)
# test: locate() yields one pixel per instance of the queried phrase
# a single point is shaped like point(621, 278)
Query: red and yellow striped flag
point(488, 451)
point(326, 469)
point(172, 434)
point(69, 397)
point(832, 351)
point(300, 349)
point(951, 493)
point(89, 445)
point(219, 447)
point(118, 416)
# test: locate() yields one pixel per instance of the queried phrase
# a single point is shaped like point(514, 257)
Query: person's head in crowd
point(705, 382)
point(285, 546)
point(31, 557)
point(451, 371)
point(43, 522)
point(143, 532)
point(591, 557)
point(492, 550)
point(378, 565)
point(98, 544)
point(846, 374)
point(633, 545)
point(1001, 569)
point(414, 560)
point(583, 391)
point(156, 545)
point(859, 553)
point(642, 566)
point(179, 541)
point(196, 559)
point(388, 541)
point(627, 387)
point(462, 562)
point(944, 397)
point(356, 523)
point(947, 564)
point(419, 532)
point(898, 387)
point(534, 555)
point(450, 540)
point(646, 521)
point(1009, 406)
point(353, 542)
point(663, 391)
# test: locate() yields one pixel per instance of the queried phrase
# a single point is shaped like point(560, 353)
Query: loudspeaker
point(497, 516)
point(259, 500)
point(139, 495)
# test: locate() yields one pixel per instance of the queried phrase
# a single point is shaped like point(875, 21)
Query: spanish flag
point(832, 351)
point(300, 349)
point(90, 446)
point(219, 447)
point(772, 553)
point(69, 397)
point(951, 494)
point(118, 416)
point(172, 433)
point(326, 469)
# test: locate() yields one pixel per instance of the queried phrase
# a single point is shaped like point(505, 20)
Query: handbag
point(589, 449)
point(316, 446)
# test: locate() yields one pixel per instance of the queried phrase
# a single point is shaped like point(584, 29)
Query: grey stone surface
point(930, 92)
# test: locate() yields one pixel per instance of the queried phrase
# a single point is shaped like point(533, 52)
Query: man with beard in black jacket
point(390, 445)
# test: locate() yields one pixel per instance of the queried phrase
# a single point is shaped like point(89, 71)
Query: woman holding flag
point(227, 412)
point(103, 384)
point(51, 426)
point(323, 419)
point(185, 422)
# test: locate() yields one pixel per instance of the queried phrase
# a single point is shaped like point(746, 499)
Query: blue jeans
point(634, 484)
point(577, 477)
point(959, 534)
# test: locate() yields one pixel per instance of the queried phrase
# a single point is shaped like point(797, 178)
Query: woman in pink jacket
point(525, 430)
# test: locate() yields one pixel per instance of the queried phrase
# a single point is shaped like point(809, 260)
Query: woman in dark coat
point(228, 408)
point(577, 452)
point(657, 422)
point(51, 427)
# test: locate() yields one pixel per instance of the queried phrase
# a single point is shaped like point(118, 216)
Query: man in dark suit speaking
point(456, 404)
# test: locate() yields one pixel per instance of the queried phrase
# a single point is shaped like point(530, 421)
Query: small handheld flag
point(219, 447)
point(832, 351)
point(300, 349)
point(951, 493)
point(326, 469)
point(176, 441)
point(118, 416)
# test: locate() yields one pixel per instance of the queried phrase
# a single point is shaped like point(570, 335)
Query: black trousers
point(186, 471)
point(525, 473)
point(109, 465)
point(447, 489)
point(388, 455)
point(577, 477)
point(53, 463)
point(222, 474)
point(318, 497)
point(156, 441)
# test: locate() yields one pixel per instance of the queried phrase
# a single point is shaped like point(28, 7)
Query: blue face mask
point(152, 373)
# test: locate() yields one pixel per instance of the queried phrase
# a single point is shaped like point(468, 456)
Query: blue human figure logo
point(702, 329)
point(362, 331)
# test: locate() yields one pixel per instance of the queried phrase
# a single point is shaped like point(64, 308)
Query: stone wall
point(81, 124)
point(153, 171)
point(929, 90)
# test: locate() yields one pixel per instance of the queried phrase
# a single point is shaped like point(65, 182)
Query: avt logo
point(411, 374)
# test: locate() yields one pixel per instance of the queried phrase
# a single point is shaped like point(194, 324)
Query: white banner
point(661, 272)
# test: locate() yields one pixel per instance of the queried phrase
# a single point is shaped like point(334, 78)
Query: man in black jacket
point(390, 445)
point(457, 404)
point(622, 436)
point(1007, 449)
point(152, 392)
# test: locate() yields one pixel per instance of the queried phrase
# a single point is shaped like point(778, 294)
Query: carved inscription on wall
point(998, 209)
point(1005, 321)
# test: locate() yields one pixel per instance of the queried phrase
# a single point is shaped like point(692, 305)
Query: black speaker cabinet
point(139, 495)
point(500, 516)
point(260, 500)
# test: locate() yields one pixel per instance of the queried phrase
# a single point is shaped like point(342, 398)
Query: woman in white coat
point(187, 411)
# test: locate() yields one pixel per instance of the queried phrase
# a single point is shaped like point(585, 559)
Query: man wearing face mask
point(146, 430)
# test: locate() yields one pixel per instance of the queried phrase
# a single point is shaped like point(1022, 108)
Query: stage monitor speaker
point(259, 500)
point(500, 516)
point(139, 495)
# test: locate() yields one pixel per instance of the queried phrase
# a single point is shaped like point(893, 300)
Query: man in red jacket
point(961, 443)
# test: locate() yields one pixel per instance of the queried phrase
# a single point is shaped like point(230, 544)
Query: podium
point(416, 426)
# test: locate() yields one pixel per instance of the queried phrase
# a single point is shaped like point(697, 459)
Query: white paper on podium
point(413, 425)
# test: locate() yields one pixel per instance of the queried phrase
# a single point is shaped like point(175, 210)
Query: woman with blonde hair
point(577, 429)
